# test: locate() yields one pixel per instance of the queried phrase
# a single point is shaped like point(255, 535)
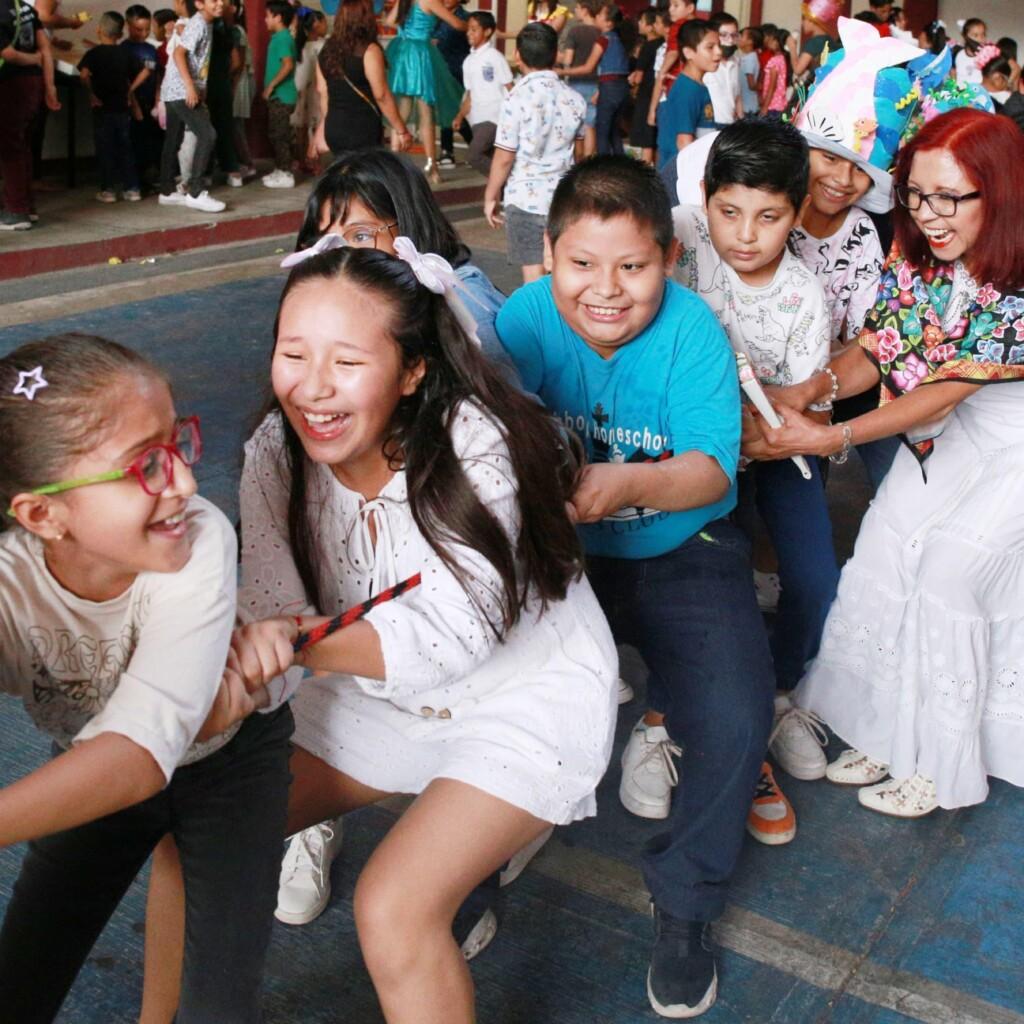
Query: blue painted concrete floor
point(861, 920)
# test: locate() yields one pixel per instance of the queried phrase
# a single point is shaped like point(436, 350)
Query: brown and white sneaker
point(901, 798)
point(852, 768)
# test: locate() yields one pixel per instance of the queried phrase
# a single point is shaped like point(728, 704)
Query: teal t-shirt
point(686, 111)
point(670, 390)
point(281, 45)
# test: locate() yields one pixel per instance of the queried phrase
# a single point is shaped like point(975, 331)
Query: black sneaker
point(446, 160)
point(476, 921)
point(682, 981)
point(14, 221)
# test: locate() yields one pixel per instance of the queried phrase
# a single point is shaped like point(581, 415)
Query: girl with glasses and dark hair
point(117, 602)
point(917, 668)
point(372, 197)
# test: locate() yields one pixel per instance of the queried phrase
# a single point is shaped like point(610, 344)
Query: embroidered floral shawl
point(904, 335)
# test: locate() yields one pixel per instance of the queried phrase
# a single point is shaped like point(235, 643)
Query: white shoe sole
point(481, 935)
point(809, 774)
point(625, 692)
point(653, 812)
point(679, 1011)
point(304, 916)
point(766, 839)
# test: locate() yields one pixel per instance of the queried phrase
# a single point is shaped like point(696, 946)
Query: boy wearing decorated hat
point(853, 119)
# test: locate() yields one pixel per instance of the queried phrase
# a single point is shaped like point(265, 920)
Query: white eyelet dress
point(530, 720)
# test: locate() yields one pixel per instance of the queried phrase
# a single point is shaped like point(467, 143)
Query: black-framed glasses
point(364, 236)
point(942, 204)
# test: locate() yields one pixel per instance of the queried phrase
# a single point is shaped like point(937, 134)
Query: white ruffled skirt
point(921, 664)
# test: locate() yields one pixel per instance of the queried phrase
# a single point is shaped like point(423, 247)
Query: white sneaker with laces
point(205, 202)
point(767, 588)
point(648, 771)
point(797, 739)
point(235, 179)
point(175, 198)
point(304, 888)
point(852, 768)
point(900, 798)
point(625, 691)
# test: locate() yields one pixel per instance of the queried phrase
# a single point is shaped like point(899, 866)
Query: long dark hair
point(546, 555)
point(394, 188)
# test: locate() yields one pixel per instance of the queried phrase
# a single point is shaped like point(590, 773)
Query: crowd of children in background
point(656, 83)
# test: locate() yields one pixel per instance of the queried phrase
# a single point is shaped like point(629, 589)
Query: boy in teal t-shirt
point(640, 370)
point(279, 92)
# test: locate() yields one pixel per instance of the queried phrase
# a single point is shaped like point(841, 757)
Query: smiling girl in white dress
point(489, 690)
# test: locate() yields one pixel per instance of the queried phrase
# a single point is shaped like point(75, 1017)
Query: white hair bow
point(323, 244)
point(437, 274)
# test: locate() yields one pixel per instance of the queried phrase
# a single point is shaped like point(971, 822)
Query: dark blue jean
point(693, 616)
point(795, 512)
point(114, 153)
point(227, 815)
point(611, 98)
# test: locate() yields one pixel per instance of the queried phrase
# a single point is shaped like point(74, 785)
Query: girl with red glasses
point(117, 601)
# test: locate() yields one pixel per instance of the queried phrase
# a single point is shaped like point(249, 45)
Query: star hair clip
point(29, 382)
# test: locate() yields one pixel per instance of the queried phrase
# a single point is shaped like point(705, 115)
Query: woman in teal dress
point(416, 71)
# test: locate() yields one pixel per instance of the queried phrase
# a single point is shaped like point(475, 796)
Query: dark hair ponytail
point(546, 460)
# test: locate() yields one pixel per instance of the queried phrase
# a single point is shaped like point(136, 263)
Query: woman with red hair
point(921, 666)
point(352, 81)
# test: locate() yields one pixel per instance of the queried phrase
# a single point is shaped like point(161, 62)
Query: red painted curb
point(47, 259)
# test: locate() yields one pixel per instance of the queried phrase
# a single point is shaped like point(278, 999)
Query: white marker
point(753, 390)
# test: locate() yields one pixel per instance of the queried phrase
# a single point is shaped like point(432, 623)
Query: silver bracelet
point(839, 457)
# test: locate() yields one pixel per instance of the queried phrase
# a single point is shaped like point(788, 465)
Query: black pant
point(114, 150)
point(147, 144)
point(448, 137)
point(222, 115)
point(197, 120)
point(227, 815)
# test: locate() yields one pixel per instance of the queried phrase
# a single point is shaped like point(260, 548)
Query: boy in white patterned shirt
point(540, 121)
point(734, 256)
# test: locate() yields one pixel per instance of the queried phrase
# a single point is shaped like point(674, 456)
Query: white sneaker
point(852, 768)
point(175, 198)
point(133, 195)
point(205, 202)
point(648, 771)
point(279, 179)
point(797, 740)
point(625, 691)
point(901, 798)
point(514, 868)
point(767, 588)
point(304, 888)
point(235, 179)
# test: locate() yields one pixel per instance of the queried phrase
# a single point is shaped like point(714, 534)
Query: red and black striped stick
point(325, 629)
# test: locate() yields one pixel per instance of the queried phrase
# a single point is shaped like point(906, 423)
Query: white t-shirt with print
point(540, 120)
point(197, 38)
point(783, 326)
point(146, 665)
point(485, 73)
point(848, 265)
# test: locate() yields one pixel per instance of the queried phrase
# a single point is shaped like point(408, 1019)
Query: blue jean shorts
point(587, 90)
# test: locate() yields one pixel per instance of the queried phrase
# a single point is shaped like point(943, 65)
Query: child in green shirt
point(279, 92)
